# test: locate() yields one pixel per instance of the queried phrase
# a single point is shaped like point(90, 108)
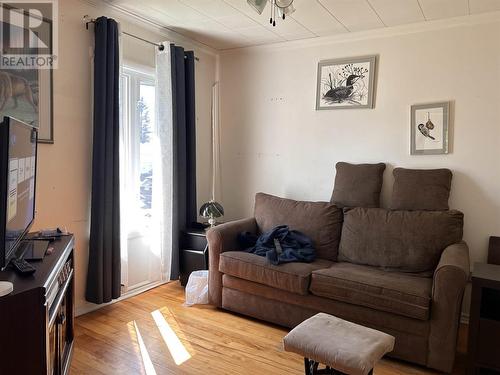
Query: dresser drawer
point(194, 241)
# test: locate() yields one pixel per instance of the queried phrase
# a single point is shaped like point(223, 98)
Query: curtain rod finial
point(87, 19)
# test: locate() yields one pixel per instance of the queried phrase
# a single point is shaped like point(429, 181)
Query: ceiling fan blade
point(258, 5)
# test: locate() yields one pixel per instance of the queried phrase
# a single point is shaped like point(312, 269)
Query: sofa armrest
point(450, 279)
point(223, 238)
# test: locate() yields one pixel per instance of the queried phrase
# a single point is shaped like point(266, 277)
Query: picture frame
point(34, 106)
point(429, 128)
point(346, 83)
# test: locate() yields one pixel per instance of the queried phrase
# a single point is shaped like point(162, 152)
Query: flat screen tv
point(18, 161)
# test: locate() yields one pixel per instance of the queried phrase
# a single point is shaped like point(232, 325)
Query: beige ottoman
point(343, 347)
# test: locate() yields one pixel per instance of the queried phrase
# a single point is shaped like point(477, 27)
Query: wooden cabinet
point(484, 325)
point(36, 319)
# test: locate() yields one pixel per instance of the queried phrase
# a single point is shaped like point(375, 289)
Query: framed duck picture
point(429, 128)
point(346, 83)
point(26, 92)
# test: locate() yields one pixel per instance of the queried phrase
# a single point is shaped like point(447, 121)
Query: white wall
point(286, 148)
point(64, 174)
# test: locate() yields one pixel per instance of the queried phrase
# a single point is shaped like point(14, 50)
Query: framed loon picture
point(346, 83)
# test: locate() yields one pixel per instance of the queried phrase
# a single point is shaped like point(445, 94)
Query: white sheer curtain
point(162, 188)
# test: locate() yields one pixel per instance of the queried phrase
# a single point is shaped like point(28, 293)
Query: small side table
point(193, 253)
point(484, 324)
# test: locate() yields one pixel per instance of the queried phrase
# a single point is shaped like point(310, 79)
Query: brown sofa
point(370, 275)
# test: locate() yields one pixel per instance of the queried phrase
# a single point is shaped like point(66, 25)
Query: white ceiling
point(226, 24)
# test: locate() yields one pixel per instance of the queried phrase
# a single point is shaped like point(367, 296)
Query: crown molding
point(414, 28)
point(152, 26)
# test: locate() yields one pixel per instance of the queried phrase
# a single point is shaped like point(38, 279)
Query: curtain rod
point(160, 46)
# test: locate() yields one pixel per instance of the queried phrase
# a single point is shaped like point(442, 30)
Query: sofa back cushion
point(406, 241)
point(421, 189)
point(358, 185)
point(320, 221)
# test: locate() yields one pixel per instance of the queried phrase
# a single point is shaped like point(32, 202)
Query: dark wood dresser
point(193, 253)
point(36, 319)
point(484, 324)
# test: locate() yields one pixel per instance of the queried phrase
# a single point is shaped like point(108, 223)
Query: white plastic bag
point(197, 289)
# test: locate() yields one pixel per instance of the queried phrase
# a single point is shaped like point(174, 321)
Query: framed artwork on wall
point(346, 83)
point(429, 128)
point(26, 93)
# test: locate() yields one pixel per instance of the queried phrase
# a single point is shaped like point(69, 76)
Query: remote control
point(23, 267)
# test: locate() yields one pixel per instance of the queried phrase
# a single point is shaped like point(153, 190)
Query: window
point(140, 250)
point(138, 117)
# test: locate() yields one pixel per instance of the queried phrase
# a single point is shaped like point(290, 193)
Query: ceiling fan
point(282, 7)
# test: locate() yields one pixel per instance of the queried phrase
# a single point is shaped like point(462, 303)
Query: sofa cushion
point(292, 277)
point(398, 293)
point(320, 221)
point(383, 320)
point(409, 241)
point(421, 189)
point(358, 185)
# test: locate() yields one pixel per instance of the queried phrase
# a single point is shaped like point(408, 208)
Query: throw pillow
point(358, 185)
point(421, 189)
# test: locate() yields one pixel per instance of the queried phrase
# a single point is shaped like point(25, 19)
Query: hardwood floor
point(153, 333)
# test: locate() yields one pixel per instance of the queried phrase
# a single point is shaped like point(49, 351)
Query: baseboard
point(89, 307)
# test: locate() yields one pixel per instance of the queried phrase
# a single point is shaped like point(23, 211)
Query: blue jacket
point(279, 245)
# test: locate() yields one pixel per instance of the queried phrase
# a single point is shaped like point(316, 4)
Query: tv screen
point(18, 148)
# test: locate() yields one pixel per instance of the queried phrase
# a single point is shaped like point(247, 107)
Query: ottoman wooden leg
point(311, 368)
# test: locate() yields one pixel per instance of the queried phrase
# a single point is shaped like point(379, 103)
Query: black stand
point(37, 317)
point(311, 368)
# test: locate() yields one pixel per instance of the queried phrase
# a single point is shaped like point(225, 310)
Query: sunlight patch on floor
point(171, 319)
point(146, 360)
point(177, 350)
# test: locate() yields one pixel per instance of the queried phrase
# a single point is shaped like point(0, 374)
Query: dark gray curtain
point(103, 278)
point(184, 160)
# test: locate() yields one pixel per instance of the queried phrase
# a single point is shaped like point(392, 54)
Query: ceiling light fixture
point(282, 7)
